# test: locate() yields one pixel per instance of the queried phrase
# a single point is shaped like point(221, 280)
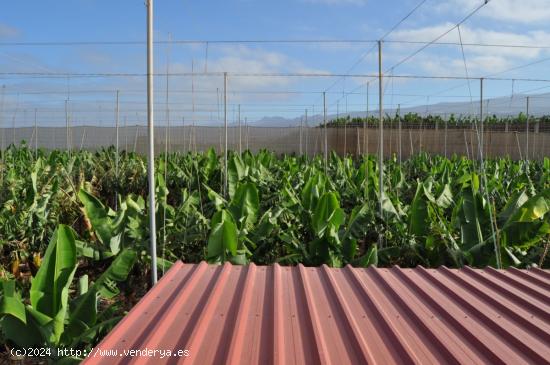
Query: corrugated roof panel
point(296, 315)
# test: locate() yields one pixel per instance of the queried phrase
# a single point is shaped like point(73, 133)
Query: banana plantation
point(74, 225)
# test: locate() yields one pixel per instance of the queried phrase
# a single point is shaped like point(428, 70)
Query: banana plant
point(50, 317)
point(231, 224)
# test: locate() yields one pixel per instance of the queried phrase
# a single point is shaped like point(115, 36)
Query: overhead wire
point(269, 41)
point(468, 16)
point(376, 43)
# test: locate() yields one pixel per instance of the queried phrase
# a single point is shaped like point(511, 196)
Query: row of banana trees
point(74, 232)
point(288, 209)
point(432, 121)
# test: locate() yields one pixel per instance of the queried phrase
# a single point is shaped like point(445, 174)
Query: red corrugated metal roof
point(302, 315)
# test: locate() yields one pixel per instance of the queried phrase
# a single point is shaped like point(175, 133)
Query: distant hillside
point(503, 106)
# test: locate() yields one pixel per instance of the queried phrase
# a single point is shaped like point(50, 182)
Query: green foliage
point(434, 211)
point(52, 318)
point(63, 216)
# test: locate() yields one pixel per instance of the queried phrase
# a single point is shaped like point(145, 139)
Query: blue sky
point(92, 99)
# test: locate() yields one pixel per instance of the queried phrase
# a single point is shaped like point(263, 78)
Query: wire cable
point(470, 14)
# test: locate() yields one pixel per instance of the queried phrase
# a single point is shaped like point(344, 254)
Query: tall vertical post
point(183, 133)
point(381, 133)
point(337, 121)
point(301, 131)
point(136, 138)
point(358, 148)
point(167, 126)
point(527, 130)
point(346, 130)
point(399, 129)
point(225, 134)
point(247, 132)
point(151, 147)
point(116, 132)
point(82, 139)
point(325, 127)
point(365, 147)
point(240, 132)
point(3, 147)
point(466, 144)
point(67, 124)
point(481, 141)
point(13, 128)
point(167, 137)
point(35, 134)
point(116, 149)
point(307, 132)
point(125, 134)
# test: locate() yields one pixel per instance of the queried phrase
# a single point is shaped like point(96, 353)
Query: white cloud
point(425, 33)
point(242, 59)
point(477, 35)
point(7, 32)
point(477, 65)
point(245, 60)
point(519, 11)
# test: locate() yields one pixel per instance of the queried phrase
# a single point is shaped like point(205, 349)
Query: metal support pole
point(247, 132)
point(225, 133)
point(67, 124)
point(32, 137)
point(466, 144)
point(167, 135)
point(35, 134)
point(3, 147)
point(125, 134)
point(399, 128)
point(167, 126)
point(381, 133)
point(527, 130)
point(151, 149)
point(240, 132)
point(82, 139)
point(337, 121)
point(345, 132)
point(13, 128)
point(190, 142)
point(301, 131)
point(485, 189)
point(365, 149)
point(445, 137)
point(136, 138)
point(183, 133)
point(358, 148)
point(116, 135)
point(519, 147)
point(481, 137)
point(193, 136)
point(325, 127)
point(411, 152)
point(307, 133)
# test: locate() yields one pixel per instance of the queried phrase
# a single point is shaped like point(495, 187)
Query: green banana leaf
point(49, 292)
point(223, 237)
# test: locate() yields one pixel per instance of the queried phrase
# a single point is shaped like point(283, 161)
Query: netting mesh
point(499, 140)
